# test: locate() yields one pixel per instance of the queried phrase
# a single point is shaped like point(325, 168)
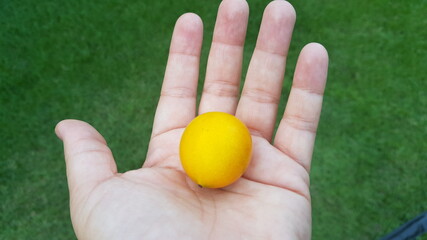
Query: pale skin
point(158, 201)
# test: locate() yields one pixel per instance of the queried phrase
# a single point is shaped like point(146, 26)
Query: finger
point(89, 160)
point(273, 168)
point(297, 130)
point(223, 73)
point(261, 93)
point(177, 103)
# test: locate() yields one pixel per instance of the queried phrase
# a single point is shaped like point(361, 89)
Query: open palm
point(158, 201)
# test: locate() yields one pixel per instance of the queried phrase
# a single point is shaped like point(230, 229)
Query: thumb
point(89, 160)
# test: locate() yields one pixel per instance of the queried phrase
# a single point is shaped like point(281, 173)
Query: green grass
point(103, 62)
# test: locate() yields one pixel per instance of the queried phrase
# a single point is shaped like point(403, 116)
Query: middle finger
point(222, 83)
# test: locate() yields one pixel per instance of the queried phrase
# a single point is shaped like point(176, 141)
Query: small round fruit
point(215, 149)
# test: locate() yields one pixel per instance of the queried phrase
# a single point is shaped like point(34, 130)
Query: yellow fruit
point(215, 149)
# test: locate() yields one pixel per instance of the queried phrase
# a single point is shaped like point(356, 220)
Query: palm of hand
point(158, 201)
point(175, 208)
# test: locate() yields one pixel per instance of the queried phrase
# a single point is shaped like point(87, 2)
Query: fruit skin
point(215, 149)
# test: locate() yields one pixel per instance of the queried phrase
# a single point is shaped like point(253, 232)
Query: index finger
point(177, 103)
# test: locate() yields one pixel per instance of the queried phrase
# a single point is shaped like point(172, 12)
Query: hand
point(158, 201)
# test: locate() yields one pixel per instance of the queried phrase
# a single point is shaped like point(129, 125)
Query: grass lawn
point(103, 62)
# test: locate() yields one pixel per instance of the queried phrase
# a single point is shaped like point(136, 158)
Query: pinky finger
point(297, 130)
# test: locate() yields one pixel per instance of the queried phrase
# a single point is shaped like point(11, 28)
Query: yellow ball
point(215, 149)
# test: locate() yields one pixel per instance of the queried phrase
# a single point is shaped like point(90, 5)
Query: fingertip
point(190, 23)
point(276, 27)
point(70, 129)
point(231, 23)
point(312, 68)
point(317, 50)
point(58, 129)
point(64, 125)
point(316, 55)
point(281, 9)
point(188, 35)
point(234, 8)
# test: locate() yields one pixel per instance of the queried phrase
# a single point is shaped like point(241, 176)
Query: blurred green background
point(103, 62)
